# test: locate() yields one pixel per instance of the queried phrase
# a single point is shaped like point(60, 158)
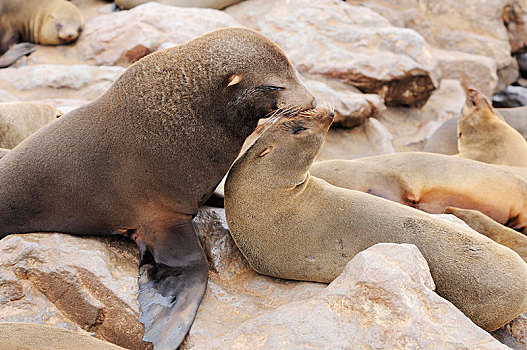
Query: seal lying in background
point(30, 336)
point(213, 4)
point(490, 228)
point(444, 140)
point(484, 136)
point(432, 182)
point(292, 225)
point(19, 120)
point(145, 155)
point(47, 22)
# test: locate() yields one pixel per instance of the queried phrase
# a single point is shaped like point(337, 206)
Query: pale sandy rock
point(474, 27)
point(353, 44)
point(222, 253)
point(58, 81)
point(508, 75)
point(473, 71)
point(368, 139)
point(384, 299)
point(514, 334)
point(84, 284)
point(7, 97)
point(351, 107)
point(65, 105)
point(107, 37)
point(410, 127)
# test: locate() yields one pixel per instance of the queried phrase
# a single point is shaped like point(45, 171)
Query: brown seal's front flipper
point(172, 281)
point(15, 52)
point(492, 229)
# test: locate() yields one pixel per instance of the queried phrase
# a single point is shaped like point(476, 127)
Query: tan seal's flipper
point(292, 225)
point(490, 228)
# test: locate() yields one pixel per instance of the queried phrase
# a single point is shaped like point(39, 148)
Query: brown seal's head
point(283, 154)
point(61, 23)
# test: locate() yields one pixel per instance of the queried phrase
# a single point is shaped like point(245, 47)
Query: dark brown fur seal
point(145, 155)
point(293, 225)
point(47, 22)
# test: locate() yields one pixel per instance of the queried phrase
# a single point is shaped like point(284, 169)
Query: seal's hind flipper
point(15, 52)
point(172, 281)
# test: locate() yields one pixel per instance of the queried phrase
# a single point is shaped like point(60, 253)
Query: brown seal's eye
point(270, 87)
point(58, 26)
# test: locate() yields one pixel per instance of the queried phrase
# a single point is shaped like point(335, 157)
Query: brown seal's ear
point(235, 79)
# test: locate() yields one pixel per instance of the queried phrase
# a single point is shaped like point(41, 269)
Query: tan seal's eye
point(298, 130)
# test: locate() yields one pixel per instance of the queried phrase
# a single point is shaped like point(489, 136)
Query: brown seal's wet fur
point(47, 22)
point(145, 155)
point(483, 135)
point(293, 225)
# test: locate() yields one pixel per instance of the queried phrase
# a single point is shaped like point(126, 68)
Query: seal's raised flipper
point(172, 281)
point(15, 52)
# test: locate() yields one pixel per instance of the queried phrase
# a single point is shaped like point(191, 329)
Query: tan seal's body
point(19, 120)
point(213, 4)
point(490, 228)
point(432, 182)
point(144, 156)
point(290, 224)
point(47, 22)
point(483, 134)
point(30, 336)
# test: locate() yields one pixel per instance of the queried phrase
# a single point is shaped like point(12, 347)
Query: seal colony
point(145, 155)
point(47, 22)
point(290, 224)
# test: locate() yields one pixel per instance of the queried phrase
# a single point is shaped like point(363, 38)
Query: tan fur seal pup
point(292, 225)
point(19, 120)
point(145, 155)
point(444, 140)
point(490, 228)
point(47, 22)
point(484, 136)
point(213, 4)
point(30, 336)
point(432, 182)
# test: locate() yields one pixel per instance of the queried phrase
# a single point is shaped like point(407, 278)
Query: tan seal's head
point(483, 134)
point(61, 22)
point(288, 146)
